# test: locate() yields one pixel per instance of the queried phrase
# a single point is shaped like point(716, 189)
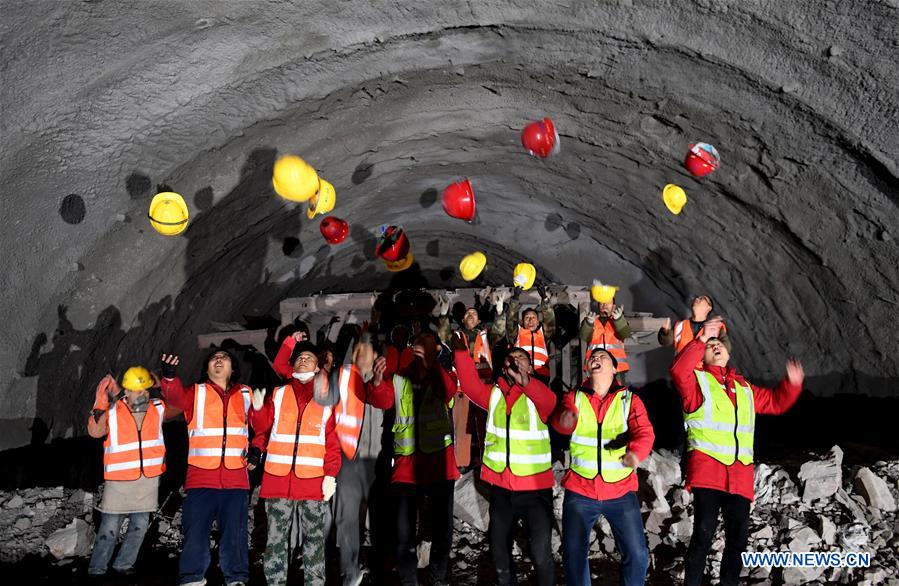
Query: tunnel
point(106, 104)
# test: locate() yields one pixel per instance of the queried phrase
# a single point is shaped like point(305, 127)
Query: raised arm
point(282, 365)
point(542, 397)
point(174, 393)
point(779, 400)
point(469, 381)
point(379, 390)
point(549, 318)
point(682, 375)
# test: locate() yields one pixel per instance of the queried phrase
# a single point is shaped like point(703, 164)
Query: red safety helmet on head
point(702, 159)
point(540, 138)
point(334, 229)
point(393, 244)
point(458, 200)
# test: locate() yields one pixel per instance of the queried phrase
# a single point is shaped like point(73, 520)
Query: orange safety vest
point(218, 436)
point(535, 344)
point(604, 337)
point(350, 409)
point(482, 358)
point(129, 452)
point(297, 440)
point(683, 334)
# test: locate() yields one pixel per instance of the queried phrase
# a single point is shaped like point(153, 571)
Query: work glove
point(169, 366)
point(254, 455)
point(329, 487)
point(258, 399)
point(498, 298)
point(590, 317)
point(617, 312)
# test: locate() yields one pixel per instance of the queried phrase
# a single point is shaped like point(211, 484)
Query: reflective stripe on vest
point(588, 457)
point(217, 431)
point(129, 452)
point(719, 429)
point(350, 410)
point(296, 442)
point(519, 440)
point(535, 345)
point(431, 424)
point(604, 337)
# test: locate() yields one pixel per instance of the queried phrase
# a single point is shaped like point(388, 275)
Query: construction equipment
point(137, 378)
point(702, 159)
point(540, 138)
point(401, 264)
point(458, 200)
point(294, 179)
point(675, 198)
point(602, 293)
point(334, 229)
point(472, 265)
point(393, 244)
point(524, 275)
point(168, 213)
point(323, 201)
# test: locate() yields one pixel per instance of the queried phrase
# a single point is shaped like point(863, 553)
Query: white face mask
point(303, 377)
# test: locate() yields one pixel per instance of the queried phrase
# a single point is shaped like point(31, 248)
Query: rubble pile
point(821, 507)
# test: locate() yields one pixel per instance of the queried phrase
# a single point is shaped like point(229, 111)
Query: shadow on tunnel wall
point(224, 265)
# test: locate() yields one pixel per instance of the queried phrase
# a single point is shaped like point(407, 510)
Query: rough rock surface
point(822, 478)
point(103, 104)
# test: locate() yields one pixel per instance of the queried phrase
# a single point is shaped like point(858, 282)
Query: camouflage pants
point(282, 513)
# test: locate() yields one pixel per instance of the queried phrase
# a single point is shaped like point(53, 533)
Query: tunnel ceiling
point(104, 103)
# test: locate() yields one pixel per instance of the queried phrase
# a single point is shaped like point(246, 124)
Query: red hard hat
point(458, 200)
point(334, 229)
point(540, 138)
point(393, 244)
point(701, 159)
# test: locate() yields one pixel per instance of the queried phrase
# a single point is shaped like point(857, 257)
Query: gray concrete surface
point(795, 236)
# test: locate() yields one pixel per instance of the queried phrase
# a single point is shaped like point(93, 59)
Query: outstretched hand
point(711, 328)
point(795, 372)
point(169, 365)
point(378, 370)
point(630, 459)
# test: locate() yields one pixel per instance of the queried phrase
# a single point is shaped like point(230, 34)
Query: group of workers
point(463, 395)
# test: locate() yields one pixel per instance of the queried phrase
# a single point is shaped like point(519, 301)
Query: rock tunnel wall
point(105, 103)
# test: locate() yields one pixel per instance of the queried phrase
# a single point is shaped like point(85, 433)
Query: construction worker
point(358, 428)
point(468, 424)
point(532, 334)
point(216, 411)
point(610, 435)
point(133, 461)
point(301, 466)
point(517, 459)
point(719, 408)
point(424, 464)
point(685, 330)
point(606, 328)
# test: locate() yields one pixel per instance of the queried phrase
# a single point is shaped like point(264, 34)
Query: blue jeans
point(229, 508)
point(580, 514)
point(108, 535)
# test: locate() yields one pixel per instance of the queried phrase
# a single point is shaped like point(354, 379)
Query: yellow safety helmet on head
point(137, 378)
point(168, 213)
point(602, 293)
point(323, 201)
point(294, 179)
point(524, 275)
point(472, 265)
point(675, 198)
point(399, 265)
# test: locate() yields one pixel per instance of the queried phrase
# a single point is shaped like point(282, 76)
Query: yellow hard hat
point(294, 179)
point(523, 276)
point(674, 197)
point(137, 378)
point(602, 293)
point(399, 265)
point(323, 201)
point(168, 213)
point(472, 265)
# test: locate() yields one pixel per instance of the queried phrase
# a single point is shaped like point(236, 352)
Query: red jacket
point(282, 365)
point(419, 468)
point(703, 471)
point(180, 397)
point(479, 393)
point(289, 486)
point(640, 439)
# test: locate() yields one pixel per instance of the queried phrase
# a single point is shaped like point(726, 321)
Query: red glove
point(106, 389)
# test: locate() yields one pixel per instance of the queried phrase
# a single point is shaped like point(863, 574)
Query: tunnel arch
point(794, 236)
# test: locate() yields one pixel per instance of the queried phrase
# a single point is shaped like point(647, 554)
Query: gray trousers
point(350, 511)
